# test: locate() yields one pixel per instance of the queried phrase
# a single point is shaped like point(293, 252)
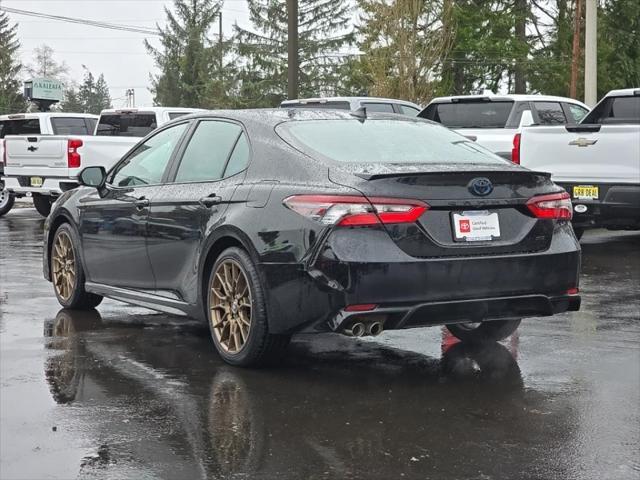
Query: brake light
point(348, 210)
point(515, 151)
point(573, 291)
point(73, 157)
point(361, 307)
point(555, 206)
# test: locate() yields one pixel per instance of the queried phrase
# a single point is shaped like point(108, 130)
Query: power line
point(92, 23)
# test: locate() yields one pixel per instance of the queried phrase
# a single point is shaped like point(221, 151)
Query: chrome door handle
point(141, 203)
point(210, 201)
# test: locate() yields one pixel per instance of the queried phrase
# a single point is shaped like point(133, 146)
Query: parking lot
point(124, 392)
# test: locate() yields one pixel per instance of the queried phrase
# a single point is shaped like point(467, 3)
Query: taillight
point(515, 151)
point(73, 157)
point(555, 205)
point(347, 210)
point(4, 153)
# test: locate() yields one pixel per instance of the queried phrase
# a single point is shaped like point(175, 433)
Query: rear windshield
point(71, 126)
point(319, 105)
point(469, 114)
point(384, 141)
point(23, 126)
point(126, 124)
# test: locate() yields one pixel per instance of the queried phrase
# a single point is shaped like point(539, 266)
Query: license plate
point(476, 226)
point(36, 181)
point(585, 192)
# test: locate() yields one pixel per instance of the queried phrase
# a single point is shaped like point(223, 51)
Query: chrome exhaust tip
point(374, 329)
point(357, 330)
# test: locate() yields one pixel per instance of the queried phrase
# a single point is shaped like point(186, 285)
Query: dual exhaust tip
point(360, 329)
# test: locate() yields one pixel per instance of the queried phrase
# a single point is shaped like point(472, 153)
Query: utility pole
point(220, 40)
point(591, 54)
point(575, 54)
point(521, 36)
point(292, 41)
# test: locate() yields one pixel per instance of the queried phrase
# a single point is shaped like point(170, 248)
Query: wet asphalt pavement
point(124, 392)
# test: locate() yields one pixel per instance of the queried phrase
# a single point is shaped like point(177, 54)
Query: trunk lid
point(36, 151)
point(447, 189)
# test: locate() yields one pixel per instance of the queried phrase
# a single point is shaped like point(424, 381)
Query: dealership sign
point(44, 89)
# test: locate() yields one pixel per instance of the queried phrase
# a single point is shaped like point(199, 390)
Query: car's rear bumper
point(420, 291)
point(51, 186)
point(617, 207)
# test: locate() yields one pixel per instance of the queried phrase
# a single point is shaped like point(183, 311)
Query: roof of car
point(151, 109)
point(509, 97)
point(19, 116)
point(624, 92)
point(348, 99)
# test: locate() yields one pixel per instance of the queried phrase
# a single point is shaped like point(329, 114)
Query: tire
point(492, 331)
point(236, 313)
point(42, 204)
point(578, 232)
point(7, 200)
point(67, 271)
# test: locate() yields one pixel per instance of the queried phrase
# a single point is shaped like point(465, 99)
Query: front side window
point(577, 112)
point(378, 107)
point(147, 163)
point(550, 113)
point(206, 155)
point(407, 110)
point(384, 141)
point(70, 126)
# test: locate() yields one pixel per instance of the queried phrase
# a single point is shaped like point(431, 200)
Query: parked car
point(46, 165)
point(597, 161)
point(266, 223)
point(372, 104)
point(39, 123)
point(493, 120)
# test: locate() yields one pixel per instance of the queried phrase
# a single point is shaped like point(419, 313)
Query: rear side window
point(407, 110)
point(484, 114)
point(208, 150)
point(384, 141)
point(239, 158)
point(126, 124)
point(577, 112)
point(70, 126)
point(550, 113)
point(378, 107)
point(319, 105)
point(20, 127)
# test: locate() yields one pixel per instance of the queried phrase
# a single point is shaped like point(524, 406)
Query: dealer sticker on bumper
point(476, 226)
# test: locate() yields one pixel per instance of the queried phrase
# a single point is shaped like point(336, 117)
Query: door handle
point(141, 203)
point(210, 201)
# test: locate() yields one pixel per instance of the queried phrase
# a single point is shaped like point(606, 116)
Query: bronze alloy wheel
point(230, 305)
point(64, 266)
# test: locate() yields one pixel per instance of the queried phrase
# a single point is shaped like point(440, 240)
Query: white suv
point(493, 120)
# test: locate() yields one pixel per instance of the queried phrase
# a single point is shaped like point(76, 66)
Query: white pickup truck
point(39, 123)
point(493, 120)
point(596, 161)
point(44, 166)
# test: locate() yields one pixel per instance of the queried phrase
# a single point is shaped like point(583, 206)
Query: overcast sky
point(121, 56)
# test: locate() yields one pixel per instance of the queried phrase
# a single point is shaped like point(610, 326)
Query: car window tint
point(69, 126)
point(20, 127)
point(239, 158)
point(625, 110)
point(378, 107)
point(126, 124)
point(384, 141)
point(470, 114)
point(206, 154)
point(407, 110)
point(577, 112)
point(550, 113)
point(147, 163)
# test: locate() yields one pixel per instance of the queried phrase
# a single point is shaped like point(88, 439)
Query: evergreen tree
point(72, 102)
point(11, 100)
point(322, 32)
point(187, 58)
point(91, 97)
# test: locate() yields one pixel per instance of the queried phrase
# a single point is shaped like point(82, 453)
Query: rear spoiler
point(376, 176)
point(593, 127)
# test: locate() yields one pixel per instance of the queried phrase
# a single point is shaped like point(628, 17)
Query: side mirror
point(93, 177)
point(526, 119)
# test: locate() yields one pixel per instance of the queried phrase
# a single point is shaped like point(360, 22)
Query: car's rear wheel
point(6, 201)
point(484, 331)
point(67, 272)
point(42, 204)
point(237, 314)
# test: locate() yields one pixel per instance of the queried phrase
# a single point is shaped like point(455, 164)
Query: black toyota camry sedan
point(267, 223)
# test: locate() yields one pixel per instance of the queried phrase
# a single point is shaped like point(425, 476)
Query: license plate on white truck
point(36, 181)
point(476, 226)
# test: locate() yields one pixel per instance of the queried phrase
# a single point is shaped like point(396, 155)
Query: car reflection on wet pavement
point(123, 392)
